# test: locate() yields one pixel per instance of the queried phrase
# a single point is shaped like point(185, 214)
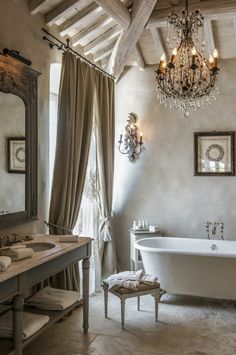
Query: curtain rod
point(65, 47)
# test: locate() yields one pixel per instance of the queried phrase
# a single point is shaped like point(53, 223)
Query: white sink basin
point(42, 246)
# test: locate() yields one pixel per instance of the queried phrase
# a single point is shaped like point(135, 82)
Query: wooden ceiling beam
point(103, 53)
point(92, 29)
point(82, 18)
point(117, 10)
point(102, 40)
point(36, 5)
point(140, 59)
point(211, 9)
point(129, 38)
point(56, 13)
point(156, 36)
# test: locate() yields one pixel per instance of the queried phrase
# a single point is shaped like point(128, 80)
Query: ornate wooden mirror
point(18, 142)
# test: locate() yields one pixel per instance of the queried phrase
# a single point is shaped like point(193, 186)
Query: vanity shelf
point(54, 316)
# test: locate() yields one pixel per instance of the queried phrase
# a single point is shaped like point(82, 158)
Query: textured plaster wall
point(21, 31)
point(12, 124)
point(161, 186)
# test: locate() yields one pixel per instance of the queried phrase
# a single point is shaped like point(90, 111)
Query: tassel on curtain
point(75, 118)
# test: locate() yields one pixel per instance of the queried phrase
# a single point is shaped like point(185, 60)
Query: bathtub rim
point(211, 253)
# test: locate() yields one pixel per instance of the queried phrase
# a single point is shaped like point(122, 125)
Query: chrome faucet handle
point(222, 230)
point(207, 225)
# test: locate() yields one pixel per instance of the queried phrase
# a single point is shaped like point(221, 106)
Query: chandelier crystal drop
point(188, 80)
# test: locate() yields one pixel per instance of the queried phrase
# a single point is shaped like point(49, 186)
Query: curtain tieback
point(105, 228)
point(68, 230)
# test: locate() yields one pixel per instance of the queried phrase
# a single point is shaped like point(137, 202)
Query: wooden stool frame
point(155, 292)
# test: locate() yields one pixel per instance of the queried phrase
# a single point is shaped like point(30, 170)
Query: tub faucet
point(214, 226)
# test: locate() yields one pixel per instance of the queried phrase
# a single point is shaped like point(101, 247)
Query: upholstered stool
point(124, 293)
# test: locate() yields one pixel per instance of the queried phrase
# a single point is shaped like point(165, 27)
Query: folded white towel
point(19, 254)
point(31, 324)
point(149, 279)
point(53, 299)
point(131, 285)
point(5, 261)
point(69, 239)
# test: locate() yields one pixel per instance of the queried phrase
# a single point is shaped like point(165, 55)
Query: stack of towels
point(130, 280)
point(31, 324)
point(53, 299)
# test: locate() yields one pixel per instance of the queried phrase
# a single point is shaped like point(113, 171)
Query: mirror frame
point(22, 81)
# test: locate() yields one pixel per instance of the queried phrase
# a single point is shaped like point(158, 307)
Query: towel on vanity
point(53, 299)
point(130, 280)
point(31, 324)
point(21, 253)
point(17, 246)
point(5, 261)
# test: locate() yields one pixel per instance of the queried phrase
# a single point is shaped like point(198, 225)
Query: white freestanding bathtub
point(190, 266)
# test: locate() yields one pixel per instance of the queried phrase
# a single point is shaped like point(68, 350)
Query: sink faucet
point(214, 226)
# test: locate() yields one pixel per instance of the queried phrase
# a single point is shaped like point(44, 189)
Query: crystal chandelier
point(188, 80)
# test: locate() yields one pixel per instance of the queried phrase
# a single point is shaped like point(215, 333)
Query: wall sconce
point(129, 143)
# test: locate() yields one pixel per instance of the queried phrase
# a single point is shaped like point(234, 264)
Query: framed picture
point(16, 155)
point(214, 154)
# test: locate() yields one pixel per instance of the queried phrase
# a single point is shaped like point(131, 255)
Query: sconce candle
point(130, 145)
point(141, 138)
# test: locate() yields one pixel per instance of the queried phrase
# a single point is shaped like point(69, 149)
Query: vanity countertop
point(18, 267)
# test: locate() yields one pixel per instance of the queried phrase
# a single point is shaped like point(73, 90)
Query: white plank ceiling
point(94, 28)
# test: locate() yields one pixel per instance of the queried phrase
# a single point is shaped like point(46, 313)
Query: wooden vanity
point(21, 275)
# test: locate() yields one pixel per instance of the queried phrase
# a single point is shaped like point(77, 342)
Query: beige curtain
point(75, 118)
point(104, 129)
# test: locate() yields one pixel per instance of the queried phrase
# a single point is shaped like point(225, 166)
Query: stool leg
point(138, 303)
point(122, 303)
point(105, 288)
point(156, 298)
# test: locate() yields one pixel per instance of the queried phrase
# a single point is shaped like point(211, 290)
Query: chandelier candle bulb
point(215, 56)
point(211, 62)
point(162, 64)
point(173, 57)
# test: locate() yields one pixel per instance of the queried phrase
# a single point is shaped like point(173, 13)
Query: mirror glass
point(12, 154)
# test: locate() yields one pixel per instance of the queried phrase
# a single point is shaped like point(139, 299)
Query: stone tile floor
point(187, 326)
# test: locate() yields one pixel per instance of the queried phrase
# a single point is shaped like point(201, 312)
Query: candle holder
point(130, 142)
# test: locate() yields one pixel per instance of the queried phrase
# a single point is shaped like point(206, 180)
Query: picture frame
point(214, 153)
point(16, 155)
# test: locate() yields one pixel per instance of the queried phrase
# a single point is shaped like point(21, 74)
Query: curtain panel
point(75, 119)
point(86, 96)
